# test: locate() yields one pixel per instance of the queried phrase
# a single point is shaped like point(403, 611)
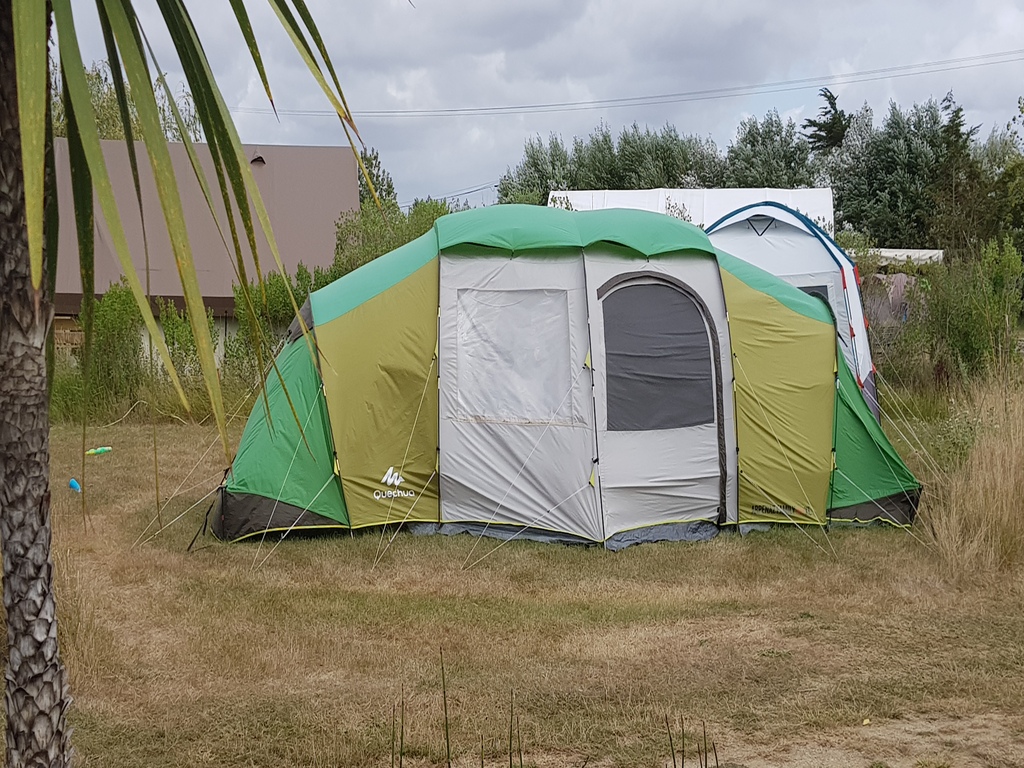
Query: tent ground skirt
point(238, 516)
point(898, 509)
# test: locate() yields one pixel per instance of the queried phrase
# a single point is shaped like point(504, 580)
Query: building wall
point(304, 189)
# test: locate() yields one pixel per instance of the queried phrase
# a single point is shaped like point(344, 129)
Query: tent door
point(515, 400)
point(658, 402)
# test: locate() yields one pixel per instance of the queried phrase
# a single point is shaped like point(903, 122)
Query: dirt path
point(982, 741)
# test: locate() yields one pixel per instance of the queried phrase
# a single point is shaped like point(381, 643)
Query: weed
point(972, 512)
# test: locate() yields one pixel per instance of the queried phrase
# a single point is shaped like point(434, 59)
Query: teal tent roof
point(517, 228)
point(512, 229)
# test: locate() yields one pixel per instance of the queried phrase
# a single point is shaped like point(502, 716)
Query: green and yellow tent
point(604, 377)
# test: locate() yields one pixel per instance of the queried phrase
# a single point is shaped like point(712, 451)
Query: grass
point(974, 514)
point(198, 659)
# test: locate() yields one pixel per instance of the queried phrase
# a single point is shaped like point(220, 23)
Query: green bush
point(121, 373)
point(181, 342)
point(116, 368)
point(272, 320)
point(962, 316)
point(969, 311)
point(67, 389)
point(898, 349)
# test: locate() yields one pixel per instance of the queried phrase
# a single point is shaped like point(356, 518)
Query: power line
point(459, 194)
point(781, 86)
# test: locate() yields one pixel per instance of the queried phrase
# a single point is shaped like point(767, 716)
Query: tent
point(788, 244)
point(698, 206)
point(604, 377)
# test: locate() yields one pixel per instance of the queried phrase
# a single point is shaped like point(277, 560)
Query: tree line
point(919, 177)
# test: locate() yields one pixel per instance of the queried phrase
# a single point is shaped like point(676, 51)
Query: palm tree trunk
point(37, 695)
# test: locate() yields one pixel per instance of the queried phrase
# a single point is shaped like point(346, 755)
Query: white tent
point(915, 256)
point(702, 207)
point(788, 244)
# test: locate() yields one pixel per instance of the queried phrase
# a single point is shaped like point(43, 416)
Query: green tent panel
point(870, 481)
point(279, 480)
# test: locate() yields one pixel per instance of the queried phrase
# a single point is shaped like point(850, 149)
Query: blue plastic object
point(74, 486)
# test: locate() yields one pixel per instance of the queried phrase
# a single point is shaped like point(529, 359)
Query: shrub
point(272, 320)
point(899, 348)
point(969, 310)
point(67, 389)
point(116, 370)
point(962, 315)
point(181, 342)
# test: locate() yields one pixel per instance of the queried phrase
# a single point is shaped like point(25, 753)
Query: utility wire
point(456, 195)
point(780, 86)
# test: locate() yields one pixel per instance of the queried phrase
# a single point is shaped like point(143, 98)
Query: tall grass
point(125, 378)
point(973, 511)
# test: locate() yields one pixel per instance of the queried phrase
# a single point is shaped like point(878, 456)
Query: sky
point(397, 56)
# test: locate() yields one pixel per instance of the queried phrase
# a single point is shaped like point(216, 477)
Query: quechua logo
point(392, 482)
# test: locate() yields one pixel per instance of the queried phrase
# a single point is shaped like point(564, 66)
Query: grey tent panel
point(295, 329)
point(698, 530)
point(659, 364)
point(502, 532)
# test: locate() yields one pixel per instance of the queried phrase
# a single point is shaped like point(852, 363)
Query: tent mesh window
point(513, 361)
point(658, 350)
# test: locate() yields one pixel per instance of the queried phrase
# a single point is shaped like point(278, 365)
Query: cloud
point(444, 54)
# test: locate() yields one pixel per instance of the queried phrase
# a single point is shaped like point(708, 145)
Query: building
point(304, 189)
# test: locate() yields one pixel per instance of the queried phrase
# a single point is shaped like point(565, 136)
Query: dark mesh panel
point(239, 515)
point(295, 330)
point(820, 291)
point(659, 360)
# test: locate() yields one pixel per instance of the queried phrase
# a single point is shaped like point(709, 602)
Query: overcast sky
point(456, 54)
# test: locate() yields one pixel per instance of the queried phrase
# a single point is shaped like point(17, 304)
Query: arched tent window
point(660, 372)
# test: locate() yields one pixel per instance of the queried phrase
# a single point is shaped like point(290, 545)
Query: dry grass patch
point(973, 512)
point(199, 659)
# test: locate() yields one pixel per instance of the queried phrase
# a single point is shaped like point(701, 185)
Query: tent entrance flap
point(516, 405)
point(659, 394)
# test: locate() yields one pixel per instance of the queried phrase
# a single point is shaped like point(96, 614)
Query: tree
point(542, 169)
point(640, 159)
point(595, 161)
point(966, 212)
point(379, 179)
point(843, 169)
point(108, 114)
point(769, 153)
point(37, 697)
point(883, 177)
point(369, 232)
point(828, 131)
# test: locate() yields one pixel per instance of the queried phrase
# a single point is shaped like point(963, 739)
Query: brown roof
point(304, 189)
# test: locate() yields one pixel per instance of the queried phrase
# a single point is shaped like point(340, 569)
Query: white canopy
point(913, 255)
point(702, 207)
